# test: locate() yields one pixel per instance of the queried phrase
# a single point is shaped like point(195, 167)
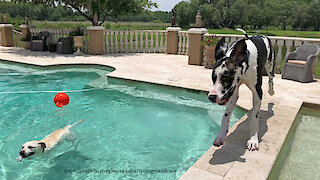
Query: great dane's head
point(231, 64)
point(30, 148)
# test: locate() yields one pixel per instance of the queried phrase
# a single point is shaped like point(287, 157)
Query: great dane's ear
point(43, 145)
point(221, 48)
point(240, 52)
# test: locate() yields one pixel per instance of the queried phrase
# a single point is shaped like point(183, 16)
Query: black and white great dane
point(241, 63)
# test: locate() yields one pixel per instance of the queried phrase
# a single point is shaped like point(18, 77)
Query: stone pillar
point(25, 31)
point(96, 40)
point(6, 35)
point(172, 40)
point(195, 48)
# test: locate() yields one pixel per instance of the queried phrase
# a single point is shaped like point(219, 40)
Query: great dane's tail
point(244, 32)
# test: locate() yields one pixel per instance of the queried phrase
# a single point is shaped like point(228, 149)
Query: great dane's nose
point(21, 152)
point(213, 98)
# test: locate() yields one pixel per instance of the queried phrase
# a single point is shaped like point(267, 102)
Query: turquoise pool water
point(129, 128)
point(302, 160)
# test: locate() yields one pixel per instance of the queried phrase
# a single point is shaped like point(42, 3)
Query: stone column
point(96, 40)
point(6, 35)
point(172, 40)
point(195, 48)
point(25, 31)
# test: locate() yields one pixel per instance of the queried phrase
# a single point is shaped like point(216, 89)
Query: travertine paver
point(231, 161)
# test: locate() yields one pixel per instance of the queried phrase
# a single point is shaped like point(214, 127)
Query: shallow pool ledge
point(234, 161)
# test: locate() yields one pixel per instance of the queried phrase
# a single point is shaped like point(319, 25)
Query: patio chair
point(298, 64)
point(65, 45)
point(39, 42)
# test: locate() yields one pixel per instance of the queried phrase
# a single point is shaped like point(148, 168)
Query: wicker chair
point(298, 64)
point(65, 45)
point(39, 42)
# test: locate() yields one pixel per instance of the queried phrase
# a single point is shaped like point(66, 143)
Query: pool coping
point(232, 160)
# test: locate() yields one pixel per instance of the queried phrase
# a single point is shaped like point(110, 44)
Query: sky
point(165, 5)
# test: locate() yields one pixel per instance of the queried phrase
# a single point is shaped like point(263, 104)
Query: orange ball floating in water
point(61, 99)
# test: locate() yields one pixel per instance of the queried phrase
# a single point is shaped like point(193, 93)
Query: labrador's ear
point(221, 48)
point(42, 145)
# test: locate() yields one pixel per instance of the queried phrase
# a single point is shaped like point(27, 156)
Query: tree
point(183, 14)
point(313, 15)
point(237, 12)
point(299, 17)
point(284, 11)
point(210, 16)
point(95, 10)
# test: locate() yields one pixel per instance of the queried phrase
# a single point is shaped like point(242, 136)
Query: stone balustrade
point(135, 41)
point(183, 46)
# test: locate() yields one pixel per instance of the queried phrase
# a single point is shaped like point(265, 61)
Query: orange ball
point(61, 99)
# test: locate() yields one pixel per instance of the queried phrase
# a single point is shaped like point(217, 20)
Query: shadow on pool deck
point(239, 137)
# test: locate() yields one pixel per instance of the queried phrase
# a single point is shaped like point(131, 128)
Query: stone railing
point(282, 46)
point(17, 38)
point(135, 41)
point(56, 33)
point(61, 33)
point(183, 46)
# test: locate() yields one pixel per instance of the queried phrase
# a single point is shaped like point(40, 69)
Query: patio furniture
point(65, 45)
point(39, 42)
point(52, 47)
point(298, 64)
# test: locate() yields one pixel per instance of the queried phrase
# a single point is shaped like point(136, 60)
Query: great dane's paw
point(253, 144)
point(219, 140)
point(271, 92)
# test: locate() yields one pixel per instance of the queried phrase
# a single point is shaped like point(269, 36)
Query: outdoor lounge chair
point(39, 42)
point(298, 64)
point(65, 45)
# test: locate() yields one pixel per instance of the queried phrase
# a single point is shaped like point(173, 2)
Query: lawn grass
point(107, 25)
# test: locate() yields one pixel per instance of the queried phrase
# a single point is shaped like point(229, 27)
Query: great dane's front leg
point(226, 119)
point(253, 142)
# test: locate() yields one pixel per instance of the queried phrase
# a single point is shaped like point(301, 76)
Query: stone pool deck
point(231, 161)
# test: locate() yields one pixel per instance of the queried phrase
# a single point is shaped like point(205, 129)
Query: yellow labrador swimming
point(32, 147)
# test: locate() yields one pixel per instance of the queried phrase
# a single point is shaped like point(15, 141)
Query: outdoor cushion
point(301, 62)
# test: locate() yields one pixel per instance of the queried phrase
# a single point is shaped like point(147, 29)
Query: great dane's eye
point(224, 78)
point(30, 147)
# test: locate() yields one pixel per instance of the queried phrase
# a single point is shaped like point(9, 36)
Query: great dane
point(241, 63)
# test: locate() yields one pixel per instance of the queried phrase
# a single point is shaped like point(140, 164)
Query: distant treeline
point(253, 14)
point(42, 12)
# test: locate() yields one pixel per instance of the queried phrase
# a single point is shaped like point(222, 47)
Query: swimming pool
point(299, 157)
point(130, 128)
